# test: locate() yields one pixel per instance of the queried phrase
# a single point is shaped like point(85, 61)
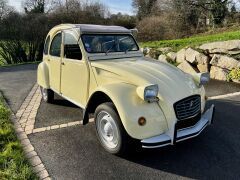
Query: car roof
point(92, 28)
point(85, 28)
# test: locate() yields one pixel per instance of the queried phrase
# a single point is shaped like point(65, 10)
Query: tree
point(216, 10)
point(143, 7)
point(123, 20)
point(4, 8)
point(34, 6)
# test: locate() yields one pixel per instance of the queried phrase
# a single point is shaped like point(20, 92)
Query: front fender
point(131, 107)
point(43, 75)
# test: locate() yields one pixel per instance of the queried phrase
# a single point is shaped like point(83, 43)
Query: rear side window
point(55, 49)
point(46, 46)
point(71, 46)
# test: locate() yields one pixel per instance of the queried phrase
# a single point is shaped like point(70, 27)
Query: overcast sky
point(123, 6)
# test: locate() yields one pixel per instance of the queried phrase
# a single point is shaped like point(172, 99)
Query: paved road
point(74, 152)
point(16, 82)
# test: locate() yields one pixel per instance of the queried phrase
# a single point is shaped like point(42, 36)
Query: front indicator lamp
point(142, 121)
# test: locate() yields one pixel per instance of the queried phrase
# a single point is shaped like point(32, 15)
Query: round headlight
point(150, 93)
point(204, 78)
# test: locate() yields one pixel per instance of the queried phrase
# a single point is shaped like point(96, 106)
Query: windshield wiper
point(114, 44)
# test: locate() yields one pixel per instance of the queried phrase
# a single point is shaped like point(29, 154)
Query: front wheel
point(110, 130)
point(47, 95)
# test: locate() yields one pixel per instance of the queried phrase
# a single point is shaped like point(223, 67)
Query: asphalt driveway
point(74, 152)
point(16, 82)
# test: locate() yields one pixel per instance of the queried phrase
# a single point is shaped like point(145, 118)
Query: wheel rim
point(44, 93)
point(107, 130)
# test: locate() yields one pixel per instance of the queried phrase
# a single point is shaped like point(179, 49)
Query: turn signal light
point(142, 121)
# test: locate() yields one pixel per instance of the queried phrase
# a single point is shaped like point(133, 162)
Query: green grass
point(193, 41)
point(8, 65)
point(13, 164)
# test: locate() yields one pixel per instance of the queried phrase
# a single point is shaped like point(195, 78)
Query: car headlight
point(202, 78)
point(148, 93)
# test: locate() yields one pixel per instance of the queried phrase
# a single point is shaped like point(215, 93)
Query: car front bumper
point(180, 135)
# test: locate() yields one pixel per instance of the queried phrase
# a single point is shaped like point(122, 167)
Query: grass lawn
point(8, 65)
point(13, 164)
point(193, 41)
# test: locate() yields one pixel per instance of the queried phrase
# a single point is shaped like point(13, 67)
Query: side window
point(55, 49)
point(46, 45)
point(71, 46)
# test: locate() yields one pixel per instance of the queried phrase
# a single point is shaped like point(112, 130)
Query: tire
point(47, 95)
point(110, 131)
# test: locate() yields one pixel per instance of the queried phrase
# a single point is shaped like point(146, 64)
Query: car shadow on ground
point(214, 154)
point(62, 102)
point(216, 87)
point(60, 111)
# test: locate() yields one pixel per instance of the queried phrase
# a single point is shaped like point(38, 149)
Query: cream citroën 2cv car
point(134, 99)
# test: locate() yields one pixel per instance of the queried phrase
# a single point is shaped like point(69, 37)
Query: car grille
point(188, 108)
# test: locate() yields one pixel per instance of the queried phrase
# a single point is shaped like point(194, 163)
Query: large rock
point(202, 68)
point(172, 56)
point(145, 51)
point(201, 59)
point(218, 73)
point(153, 53)
point(196, 57)
point(187, 68)
point(224, 62)
point(181, 56)
point(191, 55)
point(222, 46)
point(162, 57)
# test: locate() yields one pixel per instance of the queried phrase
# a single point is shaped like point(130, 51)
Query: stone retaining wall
point(217, 58)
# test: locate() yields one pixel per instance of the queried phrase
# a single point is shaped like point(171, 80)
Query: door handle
point(63, 63)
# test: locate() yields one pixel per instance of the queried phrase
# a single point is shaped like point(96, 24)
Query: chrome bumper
point(180, 135)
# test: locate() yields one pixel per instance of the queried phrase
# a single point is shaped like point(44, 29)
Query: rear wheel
point(110, 130)
point(47, 95)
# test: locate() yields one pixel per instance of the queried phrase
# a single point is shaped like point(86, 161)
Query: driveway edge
point(31, 154)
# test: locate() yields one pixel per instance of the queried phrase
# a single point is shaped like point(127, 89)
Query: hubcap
point(107, 130)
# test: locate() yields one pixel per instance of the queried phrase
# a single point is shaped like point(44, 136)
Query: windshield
point(95, 43)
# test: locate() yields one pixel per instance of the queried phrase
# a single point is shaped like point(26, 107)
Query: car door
point(54, 60)
point(74, 70)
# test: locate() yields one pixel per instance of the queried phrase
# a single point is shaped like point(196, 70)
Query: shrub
point(151, 28)
point(234, 75)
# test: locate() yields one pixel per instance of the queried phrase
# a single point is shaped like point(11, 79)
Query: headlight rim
point(141, 91)
point(151, 98)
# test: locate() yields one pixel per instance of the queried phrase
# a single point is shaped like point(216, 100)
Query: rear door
point(74, 70)
point(54, 60)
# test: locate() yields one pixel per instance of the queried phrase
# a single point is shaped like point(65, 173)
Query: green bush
point(13, 164)
point(193, 41)
point(234, 75)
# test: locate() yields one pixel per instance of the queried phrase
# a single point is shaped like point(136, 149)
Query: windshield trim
point(109, 34)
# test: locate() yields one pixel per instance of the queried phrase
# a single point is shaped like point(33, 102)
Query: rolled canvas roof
point(89, 28)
